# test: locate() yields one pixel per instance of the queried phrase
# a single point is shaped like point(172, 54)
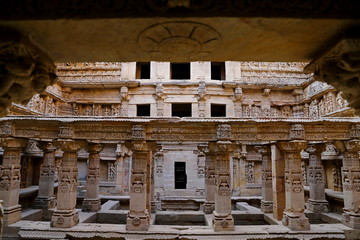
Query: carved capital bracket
point(25, 69)
point(95, 147)
point(46, 146)
point(141, 146)
point(13, 143)
point(340, 67)
point(291, 146)
point(70, 145)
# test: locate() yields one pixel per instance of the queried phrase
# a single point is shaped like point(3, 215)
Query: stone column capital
point(317, 148)
point(68, 145)
point(13, 143)
point(143, 146)
point(291, 146)
point(46, 146)
point(348, 146)
point(221, 146)
point(263, 149)
point(95, 147)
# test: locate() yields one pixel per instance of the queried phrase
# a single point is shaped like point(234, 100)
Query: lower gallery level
point(180, 178)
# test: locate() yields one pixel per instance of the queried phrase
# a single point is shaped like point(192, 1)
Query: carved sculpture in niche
point(304, 171)
point(340, 101)
point(159, 96)
point(6, 128)
point(256, 111)
point(266, 111)
point(68, 180)
point(97, 108)
point(115, 109)
point(223, 183)
point(75, 109)
point(224, 132)
point(183, 39)
point(111, 172)
point(138, 132)
point(286, 111)
point(137, 182)
point(306, 110)
point(106, 110)
point(201, 165)
point(313, 109)
point(249, 172)
point(159, 161)
point(247, 111)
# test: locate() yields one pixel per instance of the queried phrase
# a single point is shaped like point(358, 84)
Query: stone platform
point(42, 230)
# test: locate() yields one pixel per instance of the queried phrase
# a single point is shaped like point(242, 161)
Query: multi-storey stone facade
point(183, 136)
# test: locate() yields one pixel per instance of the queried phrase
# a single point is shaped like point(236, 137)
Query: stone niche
point(182, 172)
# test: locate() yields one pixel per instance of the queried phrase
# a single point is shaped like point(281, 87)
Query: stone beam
point(25, 69)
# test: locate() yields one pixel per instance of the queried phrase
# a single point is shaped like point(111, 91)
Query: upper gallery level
point(193, 89)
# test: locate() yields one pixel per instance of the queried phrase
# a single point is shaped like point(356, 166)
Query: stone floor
point(89, 229)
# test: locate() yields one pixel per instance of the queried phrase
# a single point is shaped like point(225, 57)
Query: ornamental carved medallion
point(183, 39)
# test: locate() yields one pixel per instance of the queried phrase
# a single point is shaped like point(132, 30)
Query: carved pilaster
point(339, 66)
point(316, 179)
point(45, 199)
point(294, 217)
point(266, 173)
point(222, 218)
point(210, 183)
point(92, 202)
point(65, 215)
point(351, 182)
point(138, 218)
point(10, 178)
point(25, 69)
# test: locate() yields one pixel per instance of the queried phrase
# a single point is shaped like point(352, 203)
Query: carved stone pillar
point(351, 182)
point(65, 215)
point(45, 199)
point(266, 173)
point(222, 218)
point(10, 179)
point(294, 217)
point(92, 201)
point(317, 201)
point(278, 182)
point(210, 184)
point(138, 218)
point(121, 168)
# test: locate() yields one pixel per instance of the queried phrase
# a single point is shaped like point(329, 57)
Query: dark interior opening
point(180, 175)
point(218, 110)
point(181, 109)
point(143, 110)
point(180, 71)
point(217, 70)
point(143, 70)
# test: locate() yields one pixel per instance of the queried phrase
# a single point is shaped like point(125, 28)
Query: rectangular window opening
point(180, 175)
point(143, 110)
point(218, 110)
point(181, 109)
point(218, 70)
point(180, 71)
point(143, 70)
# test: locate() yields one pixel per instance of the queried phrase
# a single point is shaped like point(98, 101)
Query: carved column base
point(296, 221)
point(64, 218)
point(44, 203)
point(91, 205)
point(153, 206)
point(351, 219)
point(266, 206)
point(223, 223)
point(317, 206)
point(138, 221)
point(12, 215)
point(209, 207)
